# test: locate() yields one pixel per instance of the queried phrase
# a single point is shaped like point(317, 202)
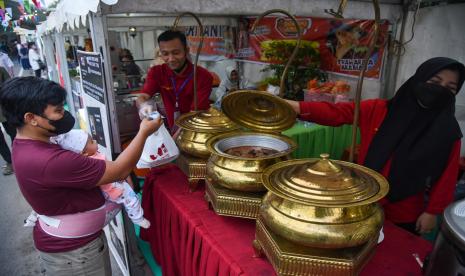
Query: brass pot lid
point(210, 121)
point(258, 110)
point(324, 182)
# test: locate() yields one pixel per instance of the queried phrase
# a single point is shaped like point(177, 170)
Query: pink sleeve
point(442, 193)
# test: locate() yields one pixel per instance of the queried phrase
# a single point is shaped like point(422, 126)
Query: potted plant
point(305, 66)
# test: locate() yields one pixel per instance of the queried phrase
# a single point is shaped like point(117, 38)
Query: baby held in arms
point(119, 192)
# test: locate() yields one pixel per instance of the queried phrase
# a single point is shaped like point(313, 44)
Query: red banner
point(337, 45)
point(218, 41)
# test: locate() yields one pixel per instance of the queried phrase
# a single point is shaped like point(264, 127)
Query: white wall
point(439, 31)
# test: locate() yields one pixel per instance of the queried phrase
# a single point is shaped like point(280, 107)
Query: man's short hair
point(19, 96)
point(171, 35)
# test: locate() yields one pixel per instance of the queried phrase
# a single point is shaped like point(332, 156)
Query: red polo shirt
point(372, 114)
point(160, 79)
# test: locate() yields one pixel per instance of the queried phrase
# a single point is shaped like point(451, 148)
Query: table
point(313, 139)
point(187, 238)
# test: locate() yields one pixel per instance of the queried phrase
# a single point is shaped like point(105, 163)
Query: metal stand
point(194, 168)
point(226, 202)
point(288, 258)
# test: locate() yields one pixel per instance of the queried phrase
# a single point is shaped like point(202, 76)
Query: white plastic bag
point(159, 149)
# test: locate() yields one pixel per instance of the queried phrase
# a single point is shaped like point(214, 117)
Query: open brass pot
point(242, 173)
point(323, 203)
point(198, 127)
point(266, 115)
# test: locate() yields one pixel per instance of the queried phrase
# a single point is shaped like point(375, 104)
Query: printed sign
point(90, 65)
point(341, 45)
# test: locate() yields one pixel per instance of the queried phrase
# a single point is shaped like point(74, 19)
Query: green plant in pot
point(305, 66)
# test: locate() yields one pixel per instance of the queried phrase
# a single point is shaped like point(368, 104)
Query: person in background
point(58, 182)
point(131, 70)
point(129, 67)
point(6, 63)
point(4, 47)
point(34, 59)
point(24, 57)
point(11, 131)
point(18, 48)
point(412, 139)
point(174, 80)
point(157, 60)
point(231, 83)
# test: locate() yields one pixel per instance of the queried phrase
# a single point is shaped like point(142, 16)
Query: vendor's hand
point(425, 223)
point(148, 127)
point(145, 109)
point(295, 105)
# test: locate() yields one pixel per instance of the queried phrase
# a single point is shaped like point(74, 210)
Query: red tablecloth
point(189, 239)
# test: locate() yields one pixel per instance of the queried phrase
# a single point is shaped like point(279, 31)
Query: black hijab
point(418, 140)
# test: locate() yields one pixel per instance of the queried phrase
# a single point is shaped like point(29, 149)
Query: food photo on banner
point(338, 46)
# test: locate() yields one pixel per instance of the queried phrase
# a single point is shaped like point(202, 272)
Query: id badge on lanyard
point(177, 93)
point(177, 113)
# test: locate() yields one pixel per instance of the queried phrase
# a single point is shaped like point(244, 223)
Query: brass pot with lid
point(323, 203)
point(239, 158)
point(198, 126)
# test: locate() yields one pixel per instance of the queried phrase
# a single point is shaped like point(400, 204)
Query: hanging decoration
point(27, 6)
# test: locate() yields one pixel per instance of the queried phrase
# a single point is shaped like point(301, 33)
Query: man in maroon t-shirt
point(174, 79)
point(55, 181)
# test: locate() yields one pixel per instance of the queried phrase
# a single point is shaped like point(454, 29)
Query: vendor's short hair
point(19, 96)
point(171, 35)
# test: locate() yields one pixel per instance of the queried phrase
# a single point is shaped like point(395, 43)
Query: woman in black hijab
point(412, 139)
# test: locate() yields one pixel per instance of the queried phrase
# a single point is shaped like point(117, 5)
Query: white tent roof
point(70, 12)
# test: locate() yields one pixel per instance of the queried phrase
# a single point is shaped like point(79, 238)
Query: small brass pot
point(194, 142)
point(198, 127)
point(241, 173)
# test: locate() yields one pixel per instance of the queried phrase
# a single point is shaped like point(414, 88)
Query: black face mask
point(433, 96)
point(62, 125)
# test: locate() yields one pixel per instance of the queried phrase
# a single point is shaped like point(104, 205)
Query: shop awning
point(71, 13)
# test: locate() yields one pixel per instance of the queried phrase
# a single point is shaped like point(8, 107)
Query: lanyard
point(177, 92)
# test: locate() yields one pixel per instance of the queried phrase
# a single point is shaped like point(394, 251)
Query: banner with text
point(218, 42)
point(342, 44)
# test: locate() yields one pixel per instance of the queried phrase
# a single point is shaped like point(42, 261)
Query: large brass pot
point(242, 173)
point(323, 203)
point(198, 127)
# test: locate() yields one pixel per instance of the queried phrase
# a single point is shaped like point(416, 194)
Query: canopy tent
point(72, 13)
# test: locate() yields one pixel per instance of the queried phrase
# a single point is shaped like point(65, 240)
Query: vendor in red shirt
point(413, 139)
point(55, 181)
point(174, 79)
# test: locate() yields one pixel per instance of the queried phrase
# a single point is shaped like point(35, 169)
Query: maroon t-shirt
point(57, 182)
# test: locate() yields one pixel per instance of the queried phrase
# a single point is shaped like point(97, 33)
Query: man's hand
point(148, 127)
point(145, 109)
point(145, 105)
point(425, 223)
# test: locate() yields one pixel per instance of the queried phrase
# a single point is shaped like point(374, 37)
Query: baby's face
point(90, 148)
